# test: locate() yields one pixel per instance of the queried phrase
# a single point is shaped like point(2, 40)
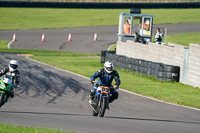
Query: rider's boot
point(92, 93)
point(12, 94)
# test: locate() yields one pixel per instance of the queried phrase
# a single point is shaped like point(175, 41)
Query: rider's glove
point(92, 82)
point(116, 87)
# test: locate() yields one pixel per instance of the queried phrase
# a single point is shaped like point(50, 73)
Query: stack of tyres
point(143, 67)
point(117, 63)
point(120, 61)
point(171, 73)
point(159, 71)
point(149, 68)
point(107, 56)
point(103, 54)
point(111, 58)
point(134, 66)
point(152, 69)
point(128, 63)
point(124, 65)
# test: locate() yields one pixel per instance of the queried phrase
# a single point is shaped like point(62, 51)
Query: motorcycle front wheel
point(103, 106)
point(2, 95)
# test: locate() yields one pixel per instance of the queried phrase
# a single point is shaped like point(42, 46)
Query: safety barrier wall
point(98, 5)
point(194, 65)
point(172, 54)
point(161, 71)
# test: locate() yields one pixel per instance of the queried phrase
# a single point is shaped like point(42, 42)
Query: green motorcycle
point(6, 87)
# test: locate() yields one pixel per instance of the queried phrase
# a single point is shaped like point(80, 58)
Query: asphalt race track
point(82, 37)
point(52, 98)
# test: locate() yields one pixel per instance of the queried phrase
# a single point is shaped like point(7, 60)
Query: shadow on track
point(42, 113)
point(158, 120)
point(38, 81)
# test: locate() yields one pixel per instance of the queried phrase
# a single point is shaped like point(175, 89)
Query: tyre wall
point(161, 71)
point(103, 55)
point(173, 54)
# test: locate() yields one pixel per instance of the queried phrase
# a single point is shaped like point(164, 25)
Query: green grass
point(168, 16)
point(19, 129)
point(88, 64)
point(184, 39)
point(113, 47)
point(84, 65)
point(35, 18)
point(3, 44)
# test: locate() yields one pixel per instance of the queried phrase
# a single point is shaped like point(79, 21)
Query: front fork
point(99, 101)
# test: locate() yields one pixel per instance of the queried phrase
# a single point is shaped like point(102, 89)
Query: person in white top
point(158, 37)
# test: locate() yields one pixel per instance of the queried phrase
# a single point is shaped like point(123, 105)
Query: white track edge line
point(9, 44)
point(119, 89)
point(110, 47)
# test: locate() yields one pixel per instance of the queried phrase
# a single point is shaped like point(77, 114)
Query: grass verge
point(88, 64)
point(36, 18)
point(113, 47)
point(3, 44)
point(182, 39)
point(19, 129)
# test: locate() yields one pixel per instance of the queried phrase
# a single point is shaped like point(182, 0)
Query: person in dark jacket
point(138, 38)
point(106, 76)
point(12, 71)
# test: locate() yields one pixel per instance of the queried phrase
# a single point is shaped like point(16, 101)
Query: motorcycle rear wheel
point(103, 106)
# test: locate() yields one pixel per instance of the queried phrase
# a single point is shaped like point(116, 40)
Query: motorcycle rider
point(106, 76)
point(12, 71)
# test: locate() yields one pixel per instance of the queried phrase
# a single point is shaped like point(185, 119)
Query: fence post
point(166, 35)
point(185, 67)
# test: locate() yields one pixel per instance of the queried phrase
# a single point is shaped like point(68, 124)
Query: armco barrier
point(98, 5)
point(159, 70)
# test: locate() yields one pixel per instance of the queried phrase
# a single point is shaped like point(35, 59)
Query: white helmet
point(108, 66)
point(7, 80)
point(13, 64)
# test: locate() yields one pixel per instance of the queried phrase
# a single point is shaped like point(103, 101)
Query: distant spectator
point(127, 27)
point(138, 38)
point(158, 37)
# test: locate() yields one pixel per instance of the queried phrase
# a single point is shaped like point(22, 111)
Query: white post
point(166, 35)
